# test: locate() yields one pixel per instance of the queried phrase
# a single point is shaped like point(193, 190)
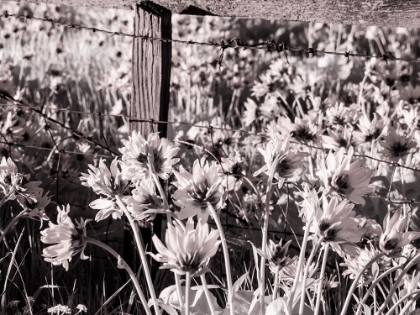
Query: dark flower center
point(374, 135)
point(283, 168)
point(391, 244)
point(341, 183)
point(329, 234)
point(399, 149)
point(303, 133)
point(157, 160)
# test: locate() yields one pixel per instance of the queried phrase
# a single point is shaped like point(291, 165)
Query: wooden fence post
point(151, 82)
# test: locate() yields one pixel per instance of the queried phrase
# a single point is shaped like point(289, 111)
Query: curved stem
point(225, 254)
point(6, 197)
point(207, 293)
point(305, 276)
point(187, 293)
point(12, 223)
point(356, 280)
point(162, 194)
point(142, 253)
point(405, 297)
point(123, 264)
point(397, 283)
point(321, 278)
point(373, 285)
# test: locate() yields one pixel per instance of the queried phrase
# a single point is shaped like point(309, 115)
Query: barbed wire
point(234, 43)
point(209, 128)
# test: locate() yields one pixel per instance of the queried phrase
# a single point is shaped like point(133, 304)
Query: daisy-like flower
point(355, 264)
point(340, 115)
point(394, 236)
point(108, 183)
point(336, 139)
point(104, 181)
point(233, 170)
point(250, 113)
point(144, 198)
point(197, 190)
point(280, 161)
point(14, 183)
point(396, 146)
point(189, 250)
point(139, 156)
point(68, 239)
point(371, 130)
point(277, 254)
point(345, 178)
point(411, 94)
point(303, 129)
point(335, 223)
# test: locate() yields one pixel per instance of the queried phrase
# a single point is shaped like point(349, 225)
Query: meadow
point(287, 182)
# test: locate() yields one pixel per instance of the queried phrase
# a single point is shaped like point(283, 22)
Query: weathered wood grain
point(151, 68)
point(390, 13)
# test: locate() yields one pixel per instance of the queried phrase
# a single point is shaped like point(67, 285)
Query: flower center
point(399, 149)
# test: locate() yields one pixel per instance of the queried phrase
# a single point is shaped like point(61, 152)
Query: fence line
point(234, 43)
point(175, 123)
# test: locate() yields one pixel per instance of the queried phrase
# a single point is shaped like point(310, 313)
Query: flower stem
point(12, 223)
point(122, 264)
point(162, 194)
point(405, 297)
point(187, 293)
point(356, 280)
point(321, 278)
point(264, 242)
point(397, 283)
point(276, 280)
point(300, 262)
point(373, 285)
point(142, 253)
point(207, 293)
point(5, 198)
point(226, 255)
point(178, 288)
point(305, 276)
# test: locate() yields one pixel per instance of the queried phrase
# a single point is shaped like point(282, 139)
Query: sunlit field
point(287, 183)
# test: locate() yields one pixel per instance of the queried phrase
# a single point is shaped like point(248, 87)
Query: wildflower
point(393, 237)
point(81, 308)
point(345, 178)
point(276, 254)
point(336, 224)
point(280, 161)
point(195, 191)
point(106, 182)
point(303, 129)
point(59, 310)
point(336, 139)
point(233, 171)
point(340, 115)
point(371, 130)
point(355, 264)
point(140, 156)
point(68, 239)
point(250, 113)
point(14, 183)
point(411, 94)
point(144, 198)
point(189, 250)
point(395, 146)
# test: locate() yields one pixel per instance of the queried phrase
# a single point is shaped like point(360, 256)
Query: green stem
point(187, 293)
point(142, 253)
point(207, 293)
point(123, 264)
point(356, 280)
point(321, 279)
point(225, 254)
point(162, 194)
point(12, 223)
point(305, 276)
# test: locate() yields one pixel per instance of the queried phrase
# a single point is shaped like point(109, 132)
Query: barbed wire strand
point(177, 123)
point(234, 43)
